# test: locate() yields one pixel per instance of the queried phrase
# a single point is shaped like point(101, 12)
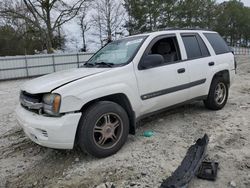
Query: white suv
point(97, 106)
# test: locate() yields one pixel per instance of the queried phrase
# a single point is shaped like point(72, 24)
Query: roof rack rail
point(183, 28)
point(171, 29)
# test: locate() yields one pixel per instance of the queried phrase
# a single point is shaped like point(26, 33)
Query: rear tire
point(218, 94)
point(103, 129)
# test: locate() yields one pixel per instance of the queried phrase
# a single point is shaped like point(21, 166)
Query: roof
point(169, 31)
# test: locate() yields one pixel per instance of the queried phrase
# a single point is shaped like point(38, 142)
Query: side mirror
point(152, 60)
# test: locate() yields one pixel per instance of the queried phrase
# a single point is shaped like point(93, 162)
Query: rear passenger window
point(194, 46)
point(218, 44)
point(203, 47)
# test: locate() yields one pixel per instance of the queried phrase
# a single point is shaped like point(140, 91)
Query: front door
point(166, 84)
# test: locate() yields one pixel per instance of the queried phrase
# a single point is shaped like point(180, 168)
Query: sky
point(74, 39)
point(246, 2)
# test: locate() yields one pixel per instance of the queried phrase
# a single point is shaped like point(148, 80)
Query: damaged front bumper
point(52, 132)
point(189, 165)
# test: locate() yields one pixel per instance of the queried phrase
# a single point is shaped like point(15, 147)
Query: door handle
point(211, 63)
point(182, 70)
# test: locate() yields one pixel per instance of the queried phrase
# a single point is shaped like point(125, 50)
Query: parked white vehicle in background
point(97, 105)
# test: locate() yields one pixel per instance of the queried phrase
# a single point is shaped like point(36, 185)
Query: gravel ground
point(142, 162)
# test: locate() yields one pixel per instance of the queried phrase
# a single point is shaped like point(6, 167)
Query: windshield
point(117, 53)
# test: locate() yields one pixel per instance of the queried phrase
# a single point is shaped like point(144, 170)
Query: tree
point(195, 13)
point(18, 41)
point(168, 9)
point(153, 15)
point(84, 25)
point(44, 15)
point(17, 37)
point(97, 23)
point(246, 26)
point(210, 14)
point(231, 21)
point(108, 18)
point(137, 18)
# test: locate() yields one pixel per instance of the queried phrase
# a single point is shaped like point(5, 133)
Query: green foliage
point(19, 35)
point(233, 22)
point(168, 14)
point(136, 16)
point(20, 42)
point(150, 15)
point(231, 19)
point(39, 22)
point(195, 13)
point(144, 15)
point(245, 29)
point(16, 43)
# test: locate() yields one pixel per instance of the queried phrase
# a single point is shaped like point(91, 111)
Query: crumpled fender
point(189, 165)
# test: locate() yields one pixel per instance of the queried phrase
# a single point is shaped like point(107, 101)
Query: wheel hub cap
point(220, 93)
point(107, 130)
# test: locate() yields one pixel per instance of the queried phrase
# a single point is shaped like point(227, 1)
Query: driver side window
point(167, 47)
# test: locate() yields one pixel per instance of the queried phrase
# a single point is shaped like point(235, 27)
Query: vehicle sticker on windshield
point(133, 42)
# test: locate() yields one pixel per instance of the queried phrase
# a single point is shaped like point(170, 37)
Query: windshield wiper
point(87, 64)
point(104, 64)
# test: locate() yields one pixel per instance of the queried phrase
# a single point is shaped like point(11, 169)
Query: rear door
point(223, 56)
point(199, 62)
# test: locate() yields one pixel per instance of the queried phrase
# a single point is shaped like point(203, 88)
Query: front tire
point(103, 129)
point(218, 94)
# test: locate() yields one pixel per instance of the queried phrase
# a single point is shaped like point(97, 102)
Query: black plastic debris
point(208, 171)
point(189, 165)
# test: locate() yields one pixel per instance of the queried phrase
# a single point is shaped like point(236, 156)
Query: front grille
point(32, 102)
point(35, 98)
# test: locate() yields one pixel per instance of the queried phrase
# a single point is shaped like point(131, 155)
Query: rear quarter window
point(217, 42)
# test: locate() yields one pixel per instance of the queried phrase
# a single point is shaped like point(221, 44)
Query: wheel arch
point(223, 74)
point(210, 101)
point(120, 99)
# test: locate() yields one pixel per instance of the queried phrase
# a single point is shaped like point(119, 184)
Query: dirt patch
point(142, 162)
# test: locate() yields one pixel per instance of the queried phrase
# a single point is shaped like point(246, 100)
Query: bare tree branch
point(108, 18)
point(42, 15)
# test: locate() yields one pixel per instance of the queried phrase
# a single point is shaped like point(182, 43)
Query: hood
point(55, 80)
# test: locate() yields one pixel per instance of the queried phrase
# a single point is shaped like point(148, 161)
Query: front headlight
point(51, 103)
